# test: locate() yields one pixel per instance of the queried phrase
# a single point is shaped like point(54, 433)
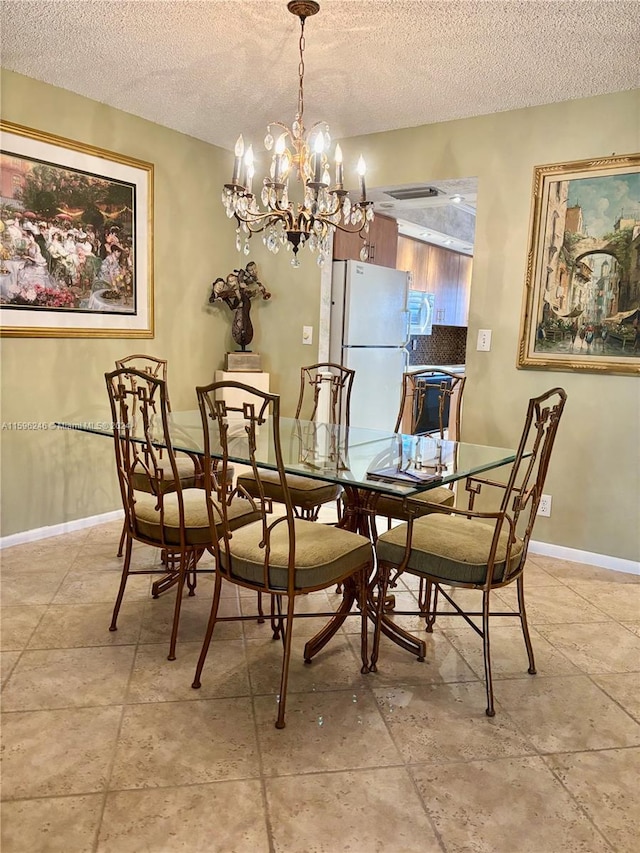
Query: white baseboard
point(59, 529)
point(573, 555)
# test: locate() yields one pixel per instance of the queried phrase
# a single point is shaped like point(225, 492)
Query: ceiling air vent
point(409, 193)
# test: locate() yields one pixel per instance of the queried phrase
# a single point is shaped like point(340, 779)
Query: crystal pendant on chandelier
point(299, 155)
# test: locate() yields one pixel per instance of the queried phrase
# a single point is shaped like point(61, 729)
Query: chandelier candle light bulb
point(323, 209)
point(317, 158)
point(339, 168)
point(362, 171)
point(237, 166)
point(250, 171)
point(280, 148)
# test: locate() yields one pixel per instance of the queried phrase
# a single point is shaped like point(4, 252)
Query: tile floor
point(107, 748)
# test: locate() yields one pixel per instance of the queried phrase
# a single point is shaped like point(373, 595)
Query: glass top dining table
point(367, 463)
point(357, 458)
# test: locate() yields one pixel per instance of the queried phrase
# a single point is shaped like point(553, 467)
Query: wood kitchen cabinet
point(441, 272)
point(382, 242)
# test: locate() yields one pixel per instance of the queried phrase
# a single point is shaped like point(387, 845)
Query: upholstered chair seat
point(196, 517)
point(450, 549)
point(305, 492)
point(186, 475)
point(323, 554)
point(391, 506)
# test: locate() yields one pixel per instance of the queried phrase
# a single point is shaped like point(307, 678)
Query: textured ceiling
point(211, 69)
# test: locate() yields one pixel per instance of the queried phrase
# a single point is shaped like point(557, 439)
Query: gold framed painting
point(582, 300)
point(76, 239)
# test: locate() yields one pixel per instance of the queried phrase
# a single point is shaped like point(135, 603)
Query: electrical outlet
point(307, 335)
point(544, 507)
point(484, 340)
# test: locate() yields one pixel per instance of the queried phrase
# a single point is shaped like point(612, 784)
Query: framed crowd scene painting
point(582, 300)
point(76, 239)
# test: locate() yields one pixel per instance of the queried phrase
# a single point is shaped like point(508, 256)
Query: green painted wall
point(52, 477)
point(595, 475)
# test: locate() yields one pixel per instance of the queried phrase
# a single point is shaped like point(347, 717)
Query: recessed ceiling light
point(456, 199)
point(448, 242)
point(426, 234)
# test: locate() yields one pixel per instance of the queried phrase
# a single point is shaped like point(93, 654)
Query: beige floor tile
point(508, 652)
point(185, 743)
point(324, 731)
point(548, 605)
point(107, 549)
point(624, 688)
point(54, 753)
point(447, 722)
point(66, 626)
point(619, 601)
point(56, 554)
point(571, 572)
point(335, 667)
point(606, 647)
point(442, 663)
point(305, 626)
point(156, 679)
point(206, 583)
point(110, 530)
point(89, 587)
point(216, 818)
point(194, 616)
point(364, 811)
point(566, 714)
point(61, 678)
point(184, 767)
point(472, 814)
point(536, 575)
point(8, 661)
point(605, 784)
point(91, 559)
point(17, 624)
point(52, 824)
point(26, 588)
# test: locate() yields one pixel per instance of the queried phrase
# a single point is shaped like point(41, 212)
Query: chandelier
point(304, 154)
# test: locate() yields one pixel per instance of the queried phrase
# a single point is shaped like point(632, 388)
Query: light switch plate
point(484, 340)
point(307, 335)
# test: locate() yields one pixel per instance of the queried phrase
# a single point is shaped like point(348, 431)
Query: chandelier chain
point(301, 73)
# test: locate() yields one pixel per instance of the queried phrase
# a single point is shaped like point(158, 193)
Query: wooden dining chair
point(475, 549)
point(285, 556)
point(325, 394)
point(158, 509)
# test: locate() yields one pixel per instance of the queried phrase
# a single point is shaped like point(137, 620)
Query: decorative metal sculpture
point(237, 290)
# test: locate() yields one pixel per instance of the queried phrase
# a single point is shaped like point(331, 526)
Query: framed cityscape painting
point(76, 239)
point(582, 301)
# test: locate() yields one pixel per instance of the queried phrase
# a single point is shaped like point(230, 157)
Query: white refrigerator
point(369, 332)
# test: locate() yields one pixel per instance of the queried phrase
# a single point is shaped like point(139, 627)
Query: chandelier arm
point(351, 230)
point(263, 219)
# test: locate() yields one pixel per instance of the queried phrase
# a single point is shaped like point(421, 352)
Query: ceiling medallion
point(302, 154)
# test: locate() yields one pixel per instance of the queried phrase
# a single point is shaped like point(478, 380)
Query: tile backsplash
point(445, 345)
